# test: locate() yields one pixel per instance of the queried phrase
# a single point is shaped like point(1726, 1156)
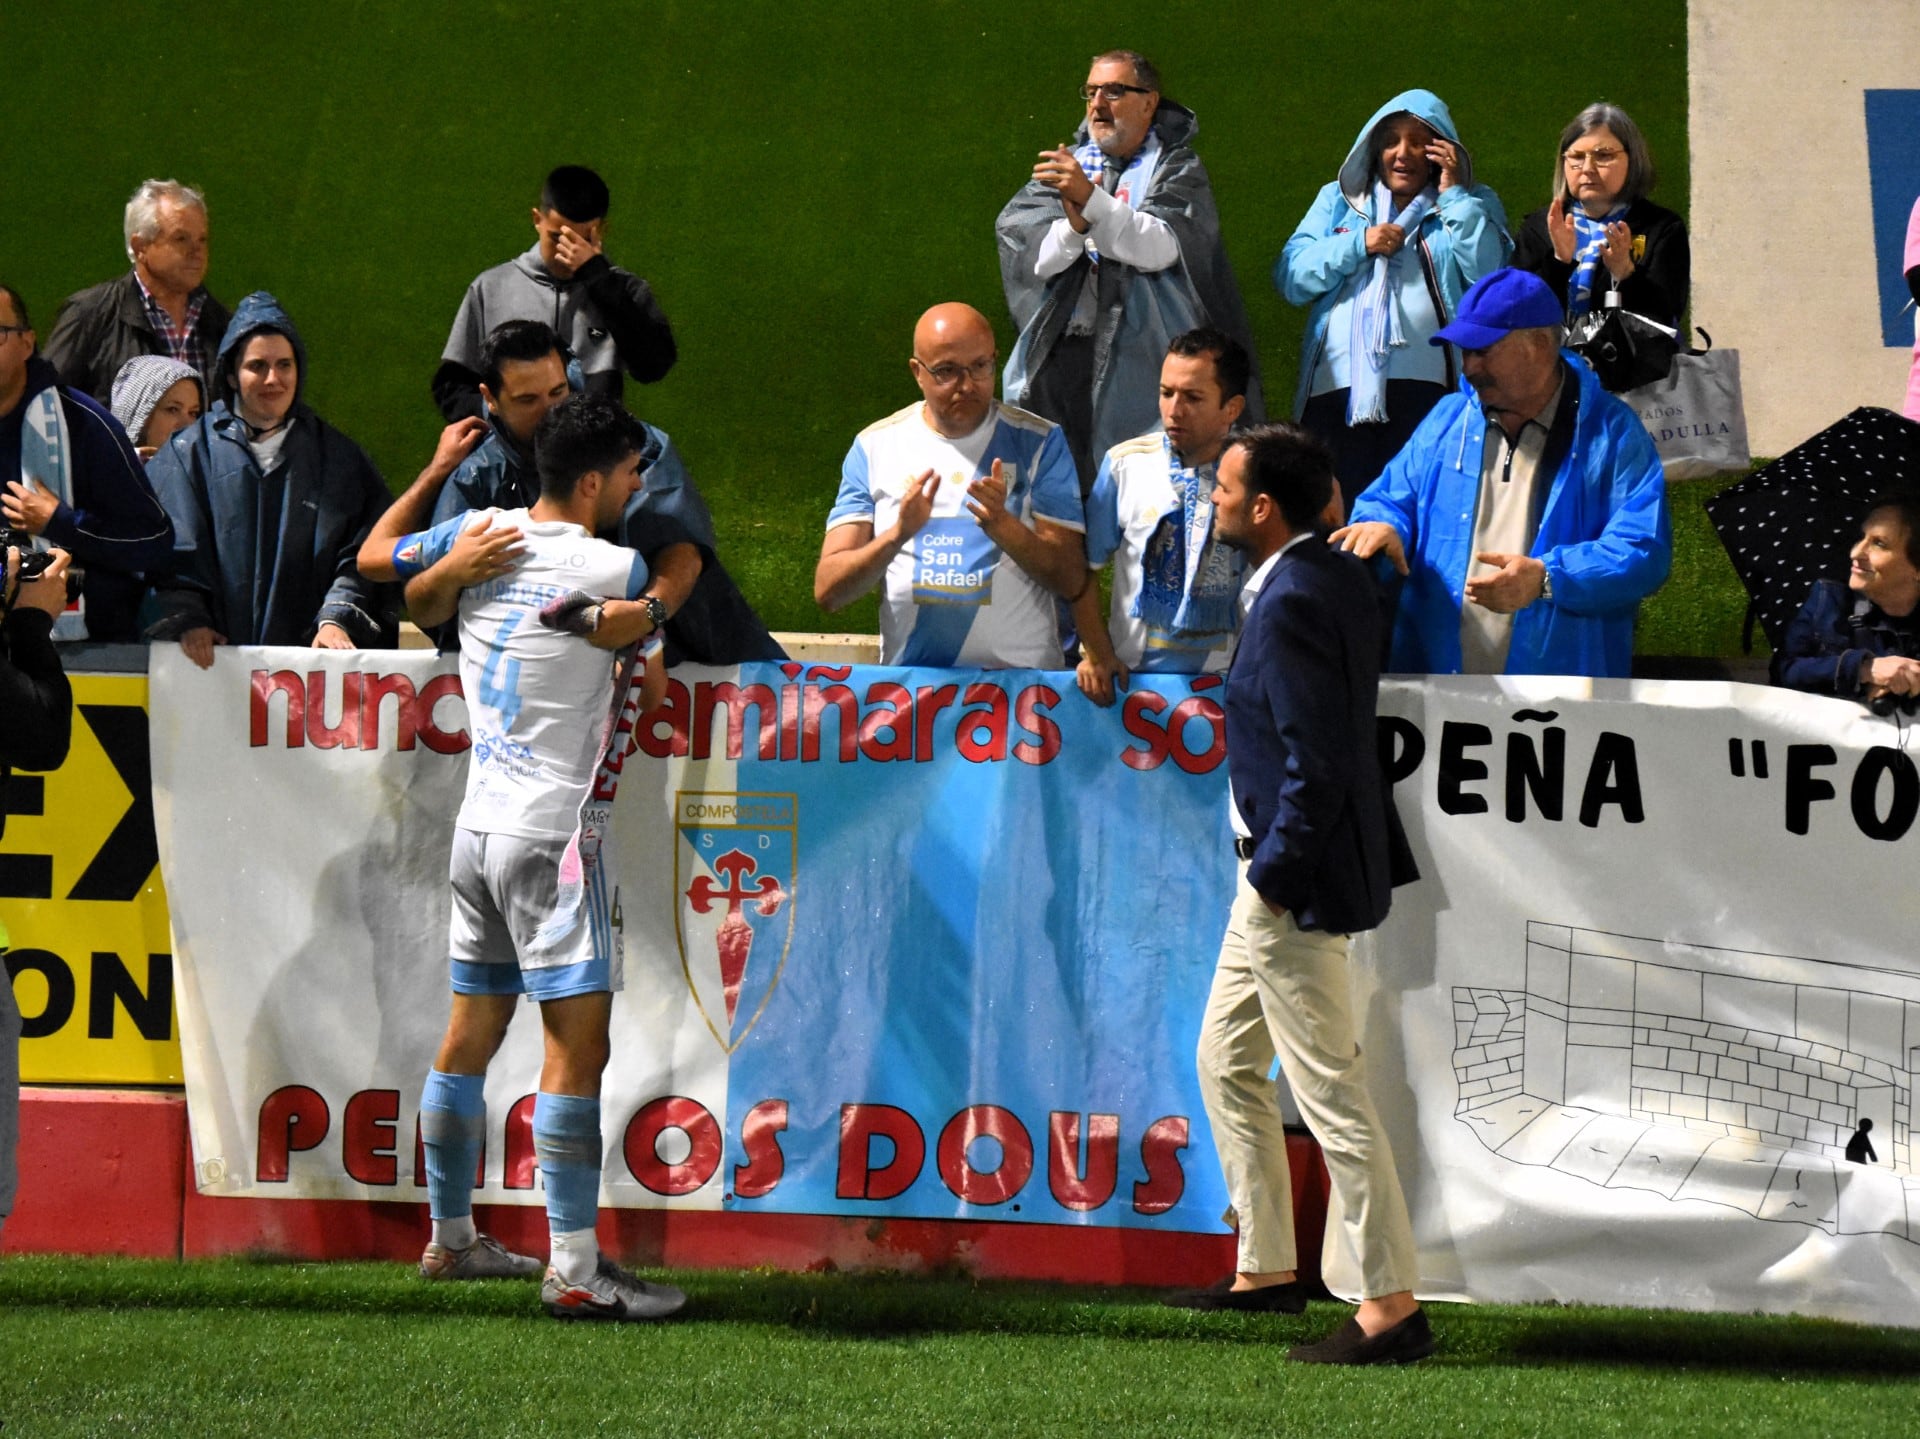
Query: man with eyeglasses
point(69, 478)
point(965, 510)
point(1111, 250)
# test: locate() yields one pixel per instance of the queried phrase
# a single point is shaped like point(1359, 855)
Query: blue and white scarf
point(1376, 318)
point(1188, 586)
point(1590, 236)
point(1129, 190)
point(46, 463)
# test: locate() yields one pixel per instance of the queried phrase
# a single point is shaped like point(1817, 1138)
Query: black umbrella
point(1795, 520)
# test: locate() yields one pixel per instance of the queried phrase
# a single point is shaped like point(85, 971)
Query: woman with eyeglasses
point(1382, 258)
point(1601, 233)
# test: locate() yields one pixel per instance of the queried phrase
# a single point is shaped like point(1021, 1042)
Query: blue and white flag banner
point(934, 944)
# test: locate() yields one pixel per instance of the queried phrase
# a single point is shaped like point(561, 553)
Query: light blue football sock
point(566, 1141)
point(453, 1129)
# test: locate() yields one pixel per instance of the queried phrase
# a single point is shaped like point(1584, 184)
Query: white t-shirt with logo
point(948, 597)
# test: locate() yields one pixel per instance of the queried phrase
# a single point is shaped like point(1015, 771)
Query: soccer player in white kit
point(541, 603)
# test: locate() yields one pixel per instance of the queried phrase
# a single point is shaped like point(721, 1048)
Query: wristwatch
point(656, 611)
point(1546, 583)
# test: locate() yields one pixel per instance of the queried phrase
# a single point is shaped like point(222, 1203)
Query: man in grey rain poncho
point(1111, 250)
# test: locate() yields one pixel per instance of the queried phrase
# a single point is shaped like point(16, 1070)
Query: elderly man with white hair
point(160, 307)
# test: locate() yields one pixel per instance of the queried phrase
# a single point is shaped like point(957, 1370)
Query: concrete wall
point(1781, 221)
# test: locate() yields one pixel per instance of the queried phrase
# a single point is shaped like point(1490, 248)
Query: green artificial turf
point(134, 1347)
point(799, 181)
point(1701, 608)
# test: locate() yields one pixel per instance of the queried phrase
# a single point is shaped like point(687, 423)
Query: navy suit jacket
point(1301, 756)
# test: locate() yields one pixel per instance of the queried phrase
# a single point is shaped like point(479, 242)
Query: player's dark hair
point(1292, 467)
point(517, 342)
point(1903, 504)
point(581, 434)
point(1231, 367)
point(575, 192)
point(19, 305)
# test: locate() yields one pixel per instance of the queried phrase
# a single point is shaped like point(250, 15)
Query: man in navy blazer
point(1320, 851)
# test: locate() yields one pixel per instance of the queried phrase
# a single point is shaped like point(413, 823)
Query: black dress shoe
point(1410, 1339)
point(1287, 1298)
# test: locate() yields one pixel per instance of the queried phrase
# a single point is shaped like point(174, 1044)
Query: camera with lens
point(34, 563)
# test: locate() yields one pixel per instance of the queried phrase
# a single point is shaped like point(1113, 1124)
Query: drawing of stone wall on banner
point(1700, 1073)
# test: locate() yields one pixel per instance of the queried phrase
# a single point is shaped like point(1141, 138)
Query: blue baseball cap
point(1497, 305)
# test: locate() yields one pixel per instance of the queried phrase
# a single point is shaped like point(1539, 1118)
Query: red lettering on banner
point(1031, 711)
point(736, 700)
point(1136, 718)
point(977, 1186)
point(438, 740)
point(320, 734)
point(293, 1119)
point(1202, 761)
point(376, 688)
point(673, 712)
point(1160, 740)
point(982, 735)
point(790, 714)
point(1073, 1187)
point(517, 1171)
point(860, 1125)
point(420, 1159)
point(887, 723)
point(642, 1145)
point(893, 713)
point(368, 1136)
point(261, 692)
point(928, 701)
point(765, 1162)
point(358, 703)
point(1160, 1150)
point(815, 702)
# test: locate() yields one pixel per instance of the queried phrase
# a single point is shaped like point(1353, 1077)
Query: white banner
point(1660, 964)
point(304, 804)
point(1624, 1030)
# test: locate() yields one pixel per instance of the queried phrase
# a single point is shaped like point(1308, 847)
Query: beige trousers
point(1282, 990)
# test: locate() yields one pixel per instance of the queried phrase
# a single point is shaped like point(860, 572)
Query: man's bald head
point(948, 323)
point(953, 362)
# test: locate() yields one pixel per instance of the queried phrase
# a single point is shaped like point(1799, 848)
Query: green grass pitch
point(231, 1348)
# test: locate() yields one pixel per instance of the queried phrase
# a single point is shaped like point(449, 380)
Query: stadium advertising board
point(914, 943)
point(91, 963)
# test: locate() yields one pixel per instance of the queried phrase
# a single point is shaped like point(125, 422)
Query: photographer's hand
point(46, 592)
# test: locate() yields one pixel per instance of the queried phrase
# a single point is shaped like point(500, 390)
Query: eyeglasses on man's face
point(948, 375)
point(1113, 92)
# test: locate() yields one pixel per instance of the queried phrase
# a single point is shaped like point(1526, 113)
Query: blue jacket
point(266, 559)
point(1301, 756)
point(1603, 534)
point(115, 529)
point(1462, 238)
point(1834, 634)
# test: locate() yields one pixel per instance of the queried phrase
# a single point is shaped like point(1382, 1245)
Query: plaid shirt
point(181, 341)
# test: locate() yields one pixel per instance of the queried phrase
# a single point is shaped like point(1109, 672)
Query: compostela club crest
point(734, 861)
